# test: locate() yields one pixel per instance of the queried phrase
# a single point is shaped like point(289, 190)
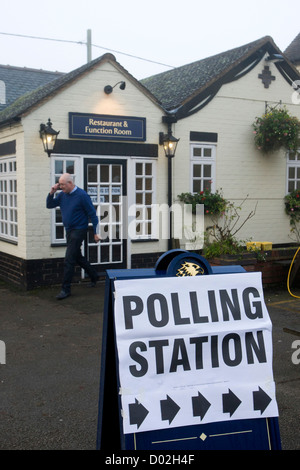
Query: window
point(144, 199)
point(203, 161)
point(61, 165)
point(293, 171)
point(8, 199)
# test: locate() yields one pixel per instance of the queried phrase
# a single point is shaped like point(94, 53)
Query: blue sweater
point(76, 209)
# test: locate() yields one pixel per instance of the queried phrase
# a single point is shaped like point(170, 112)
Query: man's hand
point(54, 188)
point(97, 238)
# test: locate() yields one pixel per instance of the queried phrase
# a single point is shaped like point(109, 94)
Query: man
point(76, 208)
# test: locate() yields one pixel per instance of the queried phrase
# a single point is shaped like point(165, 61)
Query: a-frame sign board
point(259, 430)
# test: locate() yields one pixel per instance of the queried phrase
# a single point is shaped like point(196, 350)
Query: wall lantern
point(108, 88)
point(48, 136)
point(169, 143)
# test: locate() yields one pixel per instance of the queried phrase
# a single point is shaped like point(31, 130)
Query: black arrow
point(169, 409)
point(261, 400)
point(200, 405)
point(137, 413)
point(230, 402)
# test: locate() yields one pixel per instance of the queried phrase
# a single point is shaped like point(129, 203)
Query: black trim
point(8, 148)
point(203, 98)
point(106, 148)
point(203, 137)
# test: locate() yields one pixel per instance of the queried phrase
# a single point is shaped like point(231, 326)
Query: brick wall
point(28, 274)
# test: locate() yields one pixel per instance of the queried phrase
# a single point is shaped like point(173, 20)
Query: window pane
point(139, 184)
point(70, 167)
point(116, 173)
point(196, 186)
point(116, 253)
point(59, 167)
point(58, 216)
point(104, 173)
point(207, 171)
point(148, 184)
point(291, 172)
point(139, 169)
point(197, 151)
point(60, 234)
point(148, 169)
point(207, 152)
point(139, 198)
point(197, 171)
point(92, 173)
point(104, 253)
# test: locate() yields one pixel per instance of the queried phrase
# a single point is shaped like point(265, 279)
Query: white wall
point(241, 169)
point(85, 95)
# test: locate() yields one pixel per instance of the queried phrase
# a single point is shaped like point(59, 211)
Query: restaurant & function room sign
point(193, 350)
point(107, 127)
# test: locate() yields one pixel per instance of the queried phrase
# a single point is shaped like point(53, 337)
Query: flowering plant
point(292, 203)
point(214, 203)
point(276, 129)
point(292, 208)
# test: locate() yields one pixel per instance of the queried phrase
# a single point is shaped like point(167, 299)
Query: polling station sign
point(193, 350)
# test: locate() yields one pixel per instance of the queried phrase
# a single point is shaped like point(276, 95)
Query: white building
point(110, 142)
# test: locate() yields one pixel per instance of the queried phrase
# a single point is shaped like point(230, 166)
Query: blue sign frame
point(107, 127)
point(246, 434)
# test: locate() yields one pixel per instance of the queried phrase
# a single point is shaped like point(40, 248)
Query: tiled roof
point(19, 80)
point(184, 90)
point(25, 102)
point(175, 88)
point(292, 52)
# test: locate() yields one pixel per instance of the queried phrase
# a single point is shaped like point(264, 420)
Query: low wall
point(274, 264)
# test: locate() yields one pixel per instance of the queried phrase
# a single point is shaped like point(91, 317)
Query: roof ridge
point(213, 56)
point(29, 69)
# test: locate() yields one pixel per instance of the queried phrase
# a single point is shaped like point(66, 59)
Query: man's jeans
point(73, 256)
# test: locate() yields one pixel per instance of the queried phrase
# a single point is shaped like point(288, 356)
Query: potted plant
point(214, 203)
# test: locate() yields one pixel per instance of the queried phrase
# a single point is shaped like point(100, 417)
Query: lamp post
point(169, 143)
point(48, 136)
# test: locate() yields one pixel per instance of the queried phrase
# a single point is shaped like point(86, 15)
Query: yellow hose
point(288, 278)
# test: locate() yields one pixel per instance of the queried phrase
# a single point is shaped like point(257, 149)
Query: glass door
point(105, 182)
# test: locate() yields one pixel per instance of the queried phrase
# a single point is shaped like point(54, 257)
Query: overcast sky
point(171, 32)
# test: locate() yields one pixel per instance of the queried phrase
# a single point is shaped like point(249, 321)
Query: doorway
point(105, 182)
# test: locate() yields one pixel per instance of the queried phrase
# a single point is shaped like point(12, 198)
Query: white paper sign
point(193, 350)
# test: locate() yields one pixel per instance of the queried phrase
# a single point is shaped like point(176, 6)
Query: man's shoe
point(63, 295)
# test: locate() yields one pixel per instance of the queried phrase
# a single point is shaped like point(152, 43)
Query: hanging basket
point(276, 129)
